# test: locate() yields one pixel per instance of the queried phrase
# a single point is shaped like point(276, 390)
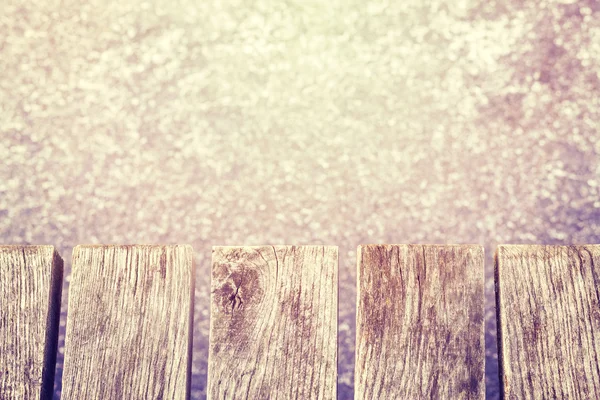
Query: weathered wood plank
point(548, 307)
point(273, 327)
point(129, 325)
point(420, 332)
point(30, 291)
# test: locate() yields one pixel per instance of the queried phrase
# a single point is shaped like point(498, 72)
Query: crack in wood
point(236, 299)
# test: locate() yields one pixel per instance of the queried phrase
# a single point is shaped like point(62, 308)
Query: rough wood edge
point(498, 296)
point(52, 315)
point(188, 249)
point(257, 246)
point(478, 247)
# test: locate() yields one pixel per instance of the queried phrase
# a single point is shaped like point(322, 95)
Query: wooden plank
point(30, 291)
point(548, 305)
point(273, 327)
point(420, 332)
point(129, 324)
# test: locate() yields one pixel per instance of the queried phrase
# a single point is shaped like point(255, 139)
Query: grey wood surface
point(420, 331)
point(30, 291)
point(129, 325)
point(548, 305)
point(273, 329)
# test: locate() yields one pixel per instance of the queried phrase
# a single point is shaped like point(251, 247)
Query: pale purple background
point(299, 122)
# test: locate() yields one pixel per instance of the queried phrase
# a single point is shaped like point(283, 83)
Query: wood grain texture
point(420, 332)
point(129, 325)
point(273, 330)
point(30, 291)
point(548, 308)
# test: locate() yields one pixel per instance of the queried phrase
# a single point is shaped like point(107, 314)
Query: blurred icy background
point(268, 122)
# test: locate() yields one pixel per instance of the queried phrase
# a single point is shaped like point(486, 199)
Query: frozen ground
point(263, 122)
